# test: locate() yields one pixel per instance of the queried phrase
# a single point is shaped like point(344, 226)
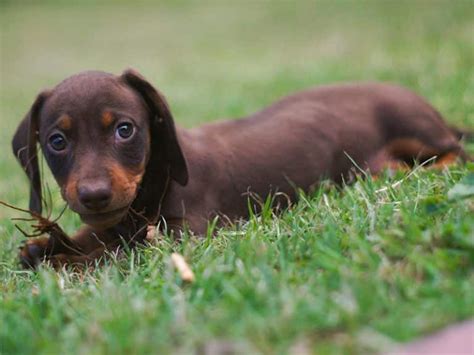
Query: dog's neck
point(151, 192)
point(144, 211)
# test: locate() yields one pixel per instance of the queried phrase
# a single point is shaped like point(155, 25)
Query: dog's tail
point(467, 136)
point(462, 133)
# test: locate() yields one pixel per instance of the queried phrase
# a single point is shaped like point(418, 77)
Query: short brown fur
point(154, 172)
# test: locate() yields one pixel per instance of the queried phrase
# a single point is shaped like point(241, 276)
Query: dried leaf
point(183, 268)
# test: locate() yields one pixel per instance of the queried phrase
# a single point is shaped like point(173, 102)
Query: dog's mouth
point(104, 219)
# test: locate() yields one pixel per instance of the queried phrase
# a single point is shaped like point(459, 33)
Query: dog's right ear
point(162, 125)
point(24, 148)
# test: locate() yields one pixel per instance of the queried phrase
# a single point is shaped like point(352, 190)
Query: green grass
point(354, 270)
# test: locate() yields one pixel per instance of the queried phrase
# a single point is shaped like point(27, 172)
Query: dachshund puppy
point(113, 148)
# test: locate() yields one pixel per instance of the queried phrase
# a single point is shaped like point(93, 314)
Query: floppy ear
point(163, 131)
point(24, 148)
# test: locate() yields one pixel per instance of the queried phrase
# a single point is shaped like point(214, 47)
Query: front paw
point(33, 252)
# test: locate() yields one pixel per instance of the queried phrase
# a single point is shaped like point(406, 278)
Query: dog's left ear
point(162, 126)
point(24, 148)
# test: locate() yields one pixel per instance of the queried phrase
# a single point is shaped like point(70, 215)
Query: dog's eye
point(57, 141)
point(124, 130)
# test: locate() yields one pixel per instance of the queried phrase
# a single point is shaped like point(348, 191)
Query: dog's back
point(312, 135)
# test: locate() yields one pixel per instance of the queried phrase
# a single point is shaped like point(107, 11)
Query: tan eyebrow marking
point(65, 122)
point(107, 119)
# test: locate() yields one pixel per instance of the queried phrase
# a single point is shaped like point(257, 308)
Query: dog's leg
point(401, 154)
point(59, 260)
point(89, 259)
point(446, 160)
point(33, 252)
point(174, 227)
point(384, 161)
point(83, 243)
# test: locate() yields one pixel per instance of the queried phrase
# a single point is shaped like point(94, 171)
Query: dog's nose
point(96, 195)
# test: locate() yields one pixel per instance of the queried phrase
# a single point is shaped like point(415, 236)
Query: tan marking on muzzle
point(125, 181)
point(70, 190)
point(124, 184)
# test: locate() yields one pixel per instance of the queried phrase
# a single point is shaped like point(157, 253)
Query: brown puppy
point(112, 146)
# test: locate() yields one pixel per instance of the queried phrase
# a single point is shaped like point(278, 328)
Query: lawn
point(352, 270)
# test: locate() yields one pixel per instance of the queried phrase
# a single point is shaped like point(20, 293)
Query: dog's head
point(101, 135)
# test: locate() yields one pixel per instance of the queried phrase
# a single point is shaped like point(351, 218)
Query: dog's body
point(301, 139)
point(189, 176)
